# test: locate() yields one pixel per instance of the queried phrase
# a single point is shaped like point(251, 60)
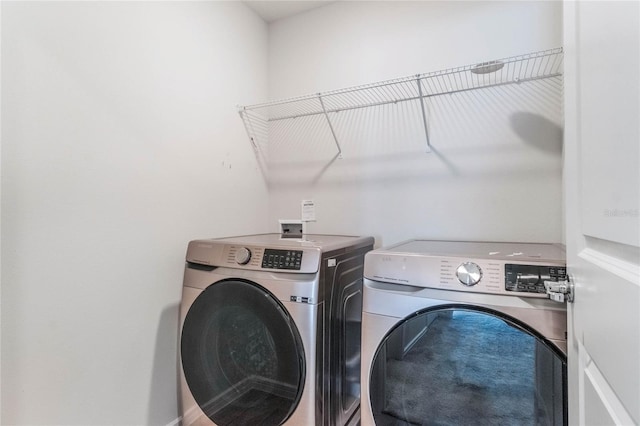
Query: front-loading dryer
point(270, 330)
point(458, 333)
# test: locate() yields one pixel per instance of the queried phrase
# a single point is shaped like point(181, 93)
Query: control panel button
point(243, 256)
point(469, 274)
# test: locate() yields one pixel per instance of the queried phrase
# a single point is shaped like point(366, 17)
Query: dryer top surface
point(508, 251)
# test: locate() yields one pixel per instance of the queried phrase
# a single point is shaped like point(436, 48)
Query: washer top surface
point(322, 242)
point(539, 252)
point(271, 252)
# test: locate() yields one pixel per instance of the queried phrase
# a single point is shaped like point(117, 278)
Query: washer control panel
point(243, 256)
point(271, 258)
point(303, 260)
point(282, 259)
point(265, 258)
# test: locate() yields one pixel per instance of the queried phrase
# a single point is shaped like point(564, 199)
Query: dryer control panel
point(531, 278)
point(514, 269)
point(496, 276)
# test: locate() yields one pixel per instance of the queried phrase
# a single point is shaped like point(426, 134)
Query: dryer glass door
point(242, 355)
point(457, 366)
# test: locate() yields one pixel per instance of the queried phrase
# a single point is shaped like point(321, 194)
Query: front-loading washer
point(270, 330)
point(463, 333)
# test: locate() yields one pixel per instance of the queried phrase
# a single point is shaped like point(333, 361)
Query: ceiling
point(273, 10)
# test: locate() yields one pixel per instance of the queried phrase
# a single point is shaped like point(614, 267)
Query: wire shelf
point(516, 69)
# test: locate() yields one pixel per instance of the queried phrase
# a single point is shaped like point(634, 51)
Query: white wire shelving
point(420, 87)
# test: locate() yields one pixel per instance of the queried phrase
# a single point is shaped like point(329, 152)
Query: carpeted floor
point(468, 369)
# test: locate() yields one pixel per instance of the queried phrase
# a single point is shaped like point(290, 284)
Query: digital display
point(531, 278)
point(282, 259)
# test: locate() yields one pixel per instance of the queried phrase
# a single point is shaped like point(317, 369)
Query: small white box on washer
point(291, 228)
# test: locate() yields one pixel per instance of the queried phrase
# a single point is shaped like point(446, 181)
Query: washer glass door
point(242, 355)
point(458, 366)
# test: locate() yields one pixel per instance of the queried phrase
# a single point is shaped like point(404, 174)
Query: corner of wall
point(0, 216)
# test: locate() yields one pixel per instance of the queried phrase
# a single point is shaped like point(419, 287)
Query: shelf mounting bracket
point(424, 112)
point(333, 132)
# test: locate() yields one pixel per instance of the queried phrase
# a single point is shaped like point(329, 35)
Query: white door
point(602, 183)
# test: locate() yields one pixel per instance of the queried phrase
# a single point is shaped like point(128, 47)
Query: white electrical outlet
point(291, 228)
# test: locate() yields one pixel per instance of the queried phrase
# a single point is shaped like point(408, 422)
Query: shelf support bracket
point(333, 133)
point(424, 112)
point(248, 126)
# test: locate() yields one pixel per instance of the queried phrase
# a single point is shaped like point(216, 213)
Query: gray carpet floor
point(468, 369)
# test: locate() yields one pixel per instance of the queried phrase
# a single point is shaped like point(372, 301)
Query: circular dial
point(469, 273)
point(243, 255)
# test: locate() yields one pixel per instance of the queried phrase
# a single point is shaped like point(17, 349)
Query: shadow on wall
point(538, 131)
point(163, 400)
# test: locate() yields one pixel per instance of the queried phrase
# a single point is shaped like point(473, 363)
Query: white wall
point(0, 222)
point(495, 173)
point(120, 142)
